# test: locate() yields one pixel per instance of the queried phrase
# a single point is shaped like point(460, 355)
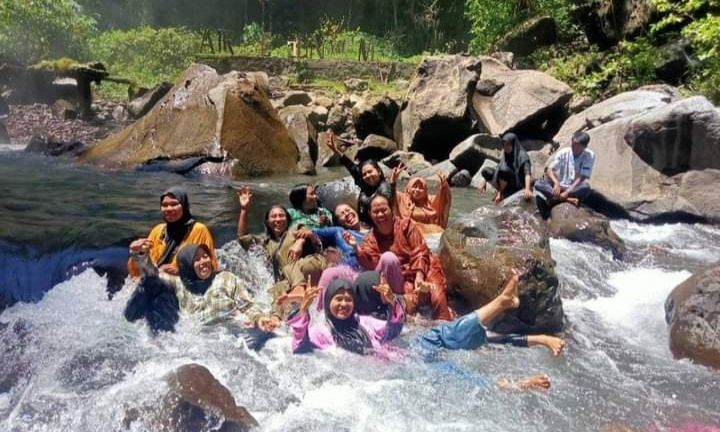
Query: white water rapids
point(79, 366)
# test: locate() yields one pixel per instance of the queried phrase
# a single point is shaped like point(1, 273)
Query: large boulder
point(196, 400)
point(375, 147)
point(624, 105)
point(343, 191)
point(606, 22)
point(472, 152)
point(477, 255)
point(302, 132)
point(530, 35)
point(520, 101)
point(376, 116)
point(435, 115)
point(582, 225)
point(635, 156)
point(206, 114)
point(693, 312)
point(295, 97)
point(140, 106)
point(414, 162)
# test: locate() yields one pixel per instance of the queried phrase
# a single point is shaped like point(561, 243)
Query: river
point(70, 362)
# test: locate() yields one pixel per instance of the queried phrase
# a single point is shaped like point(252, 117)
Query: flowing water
point(70, 362)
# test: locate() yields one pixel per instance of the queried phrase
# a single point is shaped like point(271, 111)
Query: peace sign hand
point(311, 292)
point(386, 294)
point(395, 174)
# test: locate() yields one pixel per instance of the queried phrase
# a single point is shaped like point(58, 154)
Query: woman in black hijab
point(165, 239)
point(512, 173)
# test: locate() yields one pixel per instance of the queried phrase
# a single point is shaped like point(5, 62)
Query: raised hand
point(331, 142)
point(395, 174)
point(349, 238)
point(268, 323)
point(386, 294)
point(311, 293)
point(244, 195)
point(140, 246)
point(442, 177)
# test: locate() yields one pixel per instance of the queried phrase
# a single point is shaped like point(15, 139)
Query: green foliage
point(252, 33)
point(596, 74)
point(145, 55)
point(492, 19)
point(33, 30)
point(696, 22)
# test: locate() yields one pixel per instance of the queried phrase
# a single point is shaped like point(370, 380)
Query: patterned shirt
point(321, 218)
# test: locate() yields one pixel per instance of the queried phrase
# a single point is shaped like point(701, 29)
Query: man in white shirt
point(566, 176)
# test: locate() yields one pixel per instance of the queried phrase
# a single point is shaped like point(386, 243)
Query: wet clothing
point(321, 217)
point(408, 246)
point(198, 234)
point(367, 300)
point(360, 334)
point(154, 302)
point(333, 237)
point(366, 191)
point(465, 333)
point(512, 169)
point(168, 238)
point(222, 295)
point(431, 213)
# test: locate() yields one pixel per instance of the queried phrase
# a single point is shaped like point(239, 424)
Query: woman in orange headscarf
point(431, 212)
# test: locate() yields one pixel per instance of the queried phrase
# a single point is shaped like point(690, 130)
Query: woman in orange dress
point(431, 212)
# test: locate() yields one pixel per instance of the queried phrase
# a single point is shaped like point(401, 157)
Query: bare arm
point(244, 198)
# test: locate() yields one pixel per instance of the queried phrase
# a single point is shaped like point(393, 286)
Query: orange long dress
point(431, 211)
point(199, 234)
point(408, 244)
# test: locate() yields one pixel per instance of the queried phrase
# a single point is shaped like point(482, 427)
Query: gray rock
point(323, 101)
point(434, 117)
point(375, 147)
point(337, 117)
point(582, 225)
point(478, 180)
point(356, 84)
point(477, 255)
point(462, 178)
point(376, 116)
point(49, 146)
point(693, 312)
point(296, 97)
point(530, 35)
point(447, 168)
point(140, 106)
point(414, 162)
point(472, 152)
point(120, 114)
point(302, 132)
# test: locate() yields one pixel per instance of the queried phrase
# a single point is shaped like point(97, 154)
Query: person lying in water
point(345, 328)
point(178, 229)
point(397, 248)
point(431, 212)
point(201, 290)
point(368, 176)
point(306, 209)
point(293, 254)
point(512, 174)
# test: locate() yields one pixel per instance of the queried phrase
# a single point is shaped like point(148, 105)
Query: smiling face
point(202, 263)
point(370, 174)
point(277, 221)
point(171, 209)
point(347, 216)
point(417, 191)
point(342, 305)
point(381, 214)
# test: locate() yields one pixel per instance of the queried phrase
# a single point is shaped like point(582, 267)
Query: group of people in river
point(360, 271)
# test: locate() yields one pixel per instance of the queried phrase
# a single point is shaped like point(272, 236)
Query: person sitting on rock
point(293, 253)
point(200, 290)
point(396, 247)
point(179, 228)
point(512, 174)
point(345, 327)
point(566, 176)
point(368, 176)
point(305, 208)
point(431, 212)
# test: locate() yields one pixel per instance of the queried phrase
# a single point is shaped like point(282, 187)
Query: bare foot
point(573, 201)
point(554, 344)
point(535, 381)
point(509, 295)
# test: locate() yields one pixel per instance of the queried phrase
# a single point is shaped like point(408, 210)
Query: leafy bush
point(145, 55)
point(492, 19)
point(34, 30)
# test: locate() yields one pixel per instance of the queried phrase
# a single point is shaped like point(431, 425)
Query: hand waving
point(244, 195)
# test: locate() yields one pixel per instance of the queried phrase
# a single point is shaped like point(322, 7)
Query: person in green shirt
point(306, 209)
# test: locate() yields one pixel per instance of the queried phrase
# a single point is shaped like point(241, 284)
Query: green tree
point(33, 30)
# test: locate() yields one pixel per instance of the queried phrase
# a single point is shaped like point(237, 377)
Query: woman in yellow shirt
point(165, 239)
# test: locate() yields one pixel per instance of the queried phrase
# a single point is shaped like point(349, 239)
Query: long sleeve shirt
point(333, 237)
point(306, 337)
